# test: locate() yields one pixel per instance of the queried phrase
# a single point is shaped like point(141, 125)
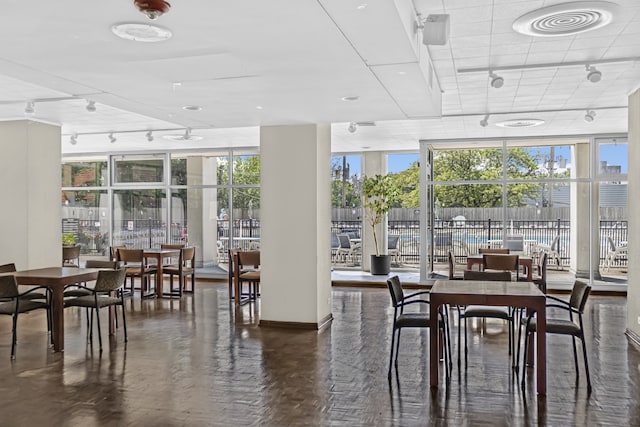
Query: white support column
point(582, 231)
point(202, 206)
point(295, 207)
point(30, 165)
point(373, 163)
point(633, 286)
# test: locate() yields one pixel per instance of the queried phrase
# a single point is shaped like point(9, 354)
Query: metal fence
point(462, 237)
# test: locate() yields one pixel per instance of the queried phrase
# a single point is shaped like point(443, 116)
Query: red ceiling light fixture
point(152, 8)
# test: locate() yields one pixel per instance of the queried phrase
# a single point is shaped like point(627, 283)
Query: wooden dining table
point(56, 278)
point(525, 261)
point(511, 294)
point(160, 255)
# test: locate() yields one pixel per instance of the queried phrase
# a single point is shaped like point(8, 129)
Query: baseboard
point(310, 326)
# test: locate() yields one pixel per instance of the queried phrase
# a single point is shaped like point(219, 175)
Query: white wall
point(31, 221)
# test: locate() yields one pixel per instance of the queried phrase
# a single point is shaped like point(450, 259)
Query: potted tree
point(379, 193)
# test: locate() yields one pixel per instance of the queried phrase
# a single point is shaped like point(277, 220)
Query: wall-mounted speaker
point(436, 30)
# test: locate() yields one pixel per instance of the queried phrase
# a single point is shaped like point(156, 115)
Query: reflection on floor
point(199, 361)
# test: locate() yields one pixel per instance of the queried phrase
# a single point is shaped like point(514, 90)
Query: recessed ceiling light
point(566, 19)
point(402, 73)
point(259, 107)
point(137, 32)
point(362, 6)
point(520, 123)
point(350, 98)
point(192, 108)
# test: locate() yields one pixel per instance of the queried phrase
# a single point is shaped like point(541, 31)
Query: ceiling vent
point(520, 123)
point(566, 19)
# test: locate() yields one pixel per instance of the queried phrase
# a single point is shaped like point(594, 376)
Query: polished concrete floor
point(199, 362)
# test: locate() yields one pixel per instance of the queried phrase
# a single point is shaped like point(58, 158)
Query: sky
point(613, 154)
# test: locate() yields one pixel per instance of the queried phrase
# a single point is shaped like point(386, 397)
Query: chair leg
point(586, 363)
point(524, 356)
point(397, 349)
point(393, 339)
point(124, 320)
point(575, 357)
point(14, 336)
point(99, 333)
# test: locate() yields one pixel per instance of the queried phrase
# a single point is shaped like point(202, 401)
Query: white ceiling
point(281, 62)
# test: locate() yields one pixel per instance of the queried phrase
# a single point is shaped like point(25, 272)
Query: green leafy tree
point(380, 192)
point(345, 190)
point(246, 171)
point(408, 184)
point(484, 165)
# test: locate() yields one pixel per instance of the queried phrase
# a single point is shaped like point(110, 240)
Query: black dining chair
point(402, 319)
point(566, 325)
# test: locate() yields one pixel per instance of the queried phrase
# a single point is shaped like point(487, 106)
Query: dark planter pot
point(380, 264)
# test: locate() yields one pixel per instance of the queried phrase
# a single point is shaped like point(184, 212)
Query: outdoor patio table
point(524, 260)
point(57, 278)
point(472, 292)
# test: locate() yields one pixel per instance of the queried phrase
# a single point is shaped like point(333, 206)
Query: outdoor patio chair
point(613, 253)
point(515, 243)
point(551, 250)
point(563, 326)
point(393, 247)
point(347, 249)
point(401, 320)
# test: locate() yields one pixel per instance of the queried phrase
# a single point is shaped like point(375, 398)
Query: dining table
point(525, 261)
point(474, 292)
point(56, 278)
point(160, 255)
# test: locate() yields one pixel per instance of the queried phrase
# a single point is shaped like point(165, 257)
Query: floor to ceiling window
point(538, 192)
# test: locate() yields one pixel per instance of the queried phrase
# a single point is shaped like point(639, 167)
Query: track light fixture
point(590, 116)
point(496, 81)
point(353, 126)
point(593, 75)
point(73, 139)
point(112, 138)
point(485, 122)
point(149, 136)
point(91, 106)
point(29, 109)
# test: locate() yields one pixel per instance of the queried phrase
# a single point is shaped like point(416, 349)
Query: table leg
point(541, 369)
point(58, 318)
point(159, 276)
point(433, 344)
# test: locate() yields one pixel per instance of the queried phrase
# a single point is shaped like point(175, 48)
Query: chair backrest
point(110, 280)
point(493, 250)
point(542, 267)
point(395, 290)
point(8, 286)
point(501, 262)
point(71, 253)
point(345, 241)
point(7, 268)
point(188, 257)
point(451, 265)
point(555, 243)
point(99, 263)
point(514, 242)
point(392, 241)
point(579, 295)
point(612, 246)
point(248, 258)
point(494, 276)
point(131, 255)
point(335, 243)
point(171, 246)
point(113, 252)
